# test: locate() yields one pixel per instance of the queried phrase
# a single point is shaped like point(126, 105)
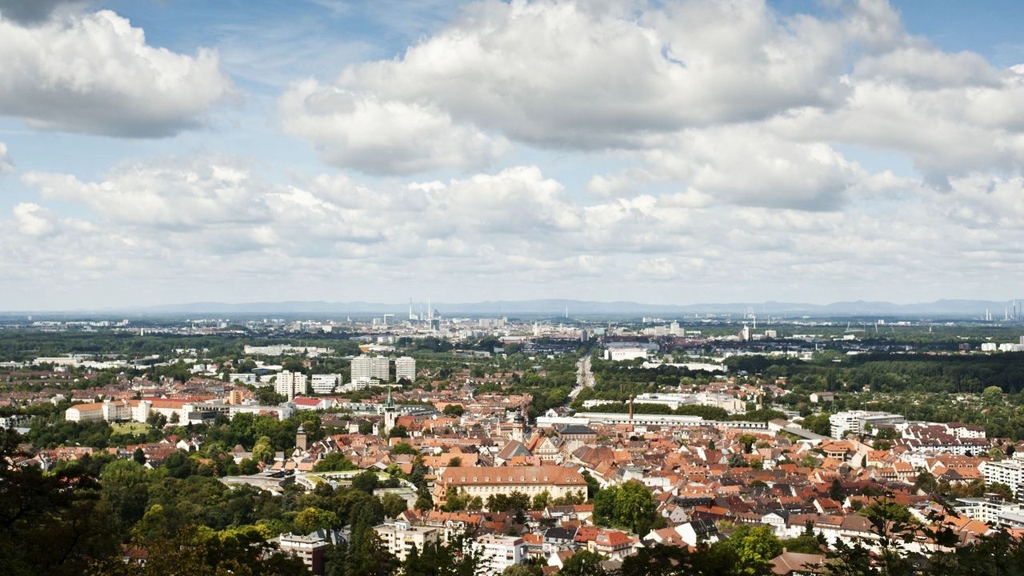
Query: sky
point(664, 151)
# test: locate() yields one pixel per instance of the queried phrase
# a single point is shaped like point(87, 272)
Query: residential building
point(496, 553)
point(369, 367)
point(290, 384)
point(1009, 472)
point(309, 548)
point(405, 367)
point(993, 511)
point(399, 537)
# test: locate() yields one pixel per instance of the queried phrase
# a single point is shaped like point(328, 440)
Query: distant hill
point(575, 308)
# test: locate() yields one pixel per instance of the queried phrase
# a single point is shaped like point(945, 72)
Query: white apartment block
point(994, 511)
point(369, 367)
point(290, 384)
point(496, 553)
point(1009, 472)
point(325, 383)
point(399, 537)
point(405, 367)
point(857, 420)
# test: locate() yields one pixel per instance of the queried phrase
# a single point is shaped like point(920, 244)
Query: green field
point(129, 428)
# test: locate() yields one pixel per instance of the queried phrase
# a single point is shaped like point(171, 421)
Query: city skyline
point(156, 153)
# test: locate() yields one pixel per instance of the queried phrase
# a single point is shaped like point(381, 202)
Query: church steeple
point(300, 437)
point(390, 413)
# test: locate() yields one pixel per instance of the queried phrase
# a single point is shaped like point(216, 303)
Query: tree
point(835, 491)
point(50, 523)
point(203, 552)
point(404, 448)
point(541, 501)
point(310, 519)
point(126, 490)
point(751, 550)
point(393, 505)
point(523, 570)
point(583, 563)
point(992, 395)
point(604, 506)
point(263, 451)
point(334, 462)
point(926, 482)
point(635, 508)
point(818, 423)
point(366, 481)
point(179, 464)
point(1004, 491)
point(454, 410)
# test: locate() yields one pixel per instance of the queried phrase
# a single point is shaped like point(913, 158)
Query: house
point(698, 530)
point(400, 536)
point(797, 564)
point(614, 544)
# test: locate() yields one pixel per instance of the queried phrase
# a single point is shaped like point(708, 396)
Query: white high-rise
point(367, 367)
point(290, 384)
point(405, 367)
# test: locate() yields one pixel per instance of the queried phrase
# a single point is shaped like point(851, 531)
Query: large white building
point(1009, 472)
point(993, 511)
point(370, 367)
point(405, 367)
point(858, 420)
point(290, 384)
point(325, 383)
point(496, 553)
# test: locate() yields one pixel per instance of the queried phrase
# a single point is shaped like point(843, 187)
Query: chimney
point(630, 408)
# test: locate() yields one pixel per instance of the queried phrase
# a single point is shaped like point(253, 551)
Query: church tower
point(300, 438)
point(390, 414)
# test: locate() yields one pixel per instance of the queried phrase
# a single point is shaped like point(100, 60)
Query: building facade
point(405, 367)
point(370, 367)
point(399, 537)
point(496, 553)
point(485, 482)
point(290, 384)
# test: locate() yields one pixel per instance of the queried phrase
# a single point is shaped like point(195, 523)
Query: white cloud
point(5, 160)
point(33, 219)
point(384, 137)
point(171, 192)
point(515, 233)
point(94, 73)
point(569, 74)
point(667, 80)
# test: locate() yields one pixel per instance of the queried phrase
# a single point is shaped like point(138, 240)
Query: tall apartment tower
point(405, 367)
point(290, 384)
point(366, 367)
